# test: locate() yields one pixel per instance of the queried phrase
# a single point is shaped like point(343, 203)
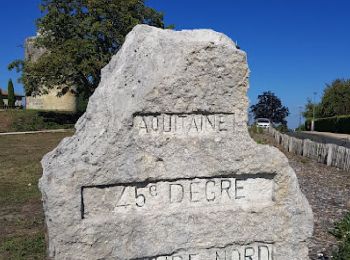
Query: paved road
point(324, 137)
point(333, 135)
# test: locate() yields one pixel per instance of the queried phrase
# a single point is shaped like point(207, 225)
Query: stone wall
point(32, 52)
point(51, 101)
point(330, 154)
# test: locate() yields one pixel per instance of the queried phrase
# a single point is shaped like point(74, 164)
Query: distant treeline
point(332, 113)
point(335, 101)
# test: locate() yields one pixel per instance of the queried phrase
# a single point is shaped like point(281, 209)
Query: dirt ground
point(5, 120)
point(328, 192)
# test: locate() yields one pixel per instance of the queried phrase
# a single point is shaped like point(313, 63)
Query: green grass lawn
point(22, 234)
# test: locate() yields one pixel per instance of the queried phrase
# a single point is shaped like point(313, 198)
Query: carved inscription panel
point(256, 251)
point(245, 193)
point(186, 124)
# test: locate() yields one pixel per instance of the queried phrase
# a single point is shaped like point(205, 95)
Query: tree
point(335, 101)
point(11, 94)
point(336, 98)
point(309, 110)
point(80, 37)
point(270, 106)
point(1, 100)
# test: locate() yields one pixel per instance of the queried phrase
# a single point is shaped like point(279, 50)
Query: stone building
point(48, 101)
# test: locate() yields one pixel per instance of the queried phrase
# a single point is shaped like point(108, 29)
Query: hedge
point(13, 120)
point(335, 124)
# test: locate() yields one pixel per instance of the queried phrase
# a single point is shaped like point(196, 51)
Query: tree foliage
point(309, 109)
point(270, 106)
point(11, 94)
point(335, 101)
point(336, 98)
point(80, 37)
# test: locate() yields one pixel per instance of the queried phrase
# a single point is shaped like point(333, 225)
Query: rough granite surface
point(162, 166)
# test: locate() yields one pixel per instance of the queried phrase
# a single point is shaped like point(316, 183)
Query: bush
point(335, 124)
point(32, 120)
point(282, 128)
point(344, 124)
point(301, 128)
point(82, 103)
point(342, 234)
point(256, 130)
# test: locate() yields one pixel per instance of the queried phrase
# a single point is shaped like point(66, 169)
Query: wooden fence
point(330, 154)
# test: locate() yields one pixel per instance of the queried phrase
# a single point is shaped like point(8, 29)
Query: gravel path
point(338, 139)
point(38, 132)
point(328, 192)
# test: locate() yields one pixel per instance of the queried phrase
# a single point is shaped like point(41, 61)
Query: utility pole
point(300, 114)
point(313, 113)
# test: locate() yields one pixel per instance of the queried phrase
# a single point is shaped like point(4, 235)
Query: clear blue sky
point(294, 47)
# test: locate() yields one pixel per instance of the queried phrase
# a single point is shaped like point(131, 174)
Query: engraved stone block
point(162, 166)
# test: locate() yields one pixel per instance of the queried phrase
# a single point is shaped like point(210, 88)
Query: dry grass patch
point(21, 216)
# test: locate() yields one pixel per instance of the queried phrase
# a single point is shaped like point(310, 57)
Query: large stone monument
point(162, 166)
